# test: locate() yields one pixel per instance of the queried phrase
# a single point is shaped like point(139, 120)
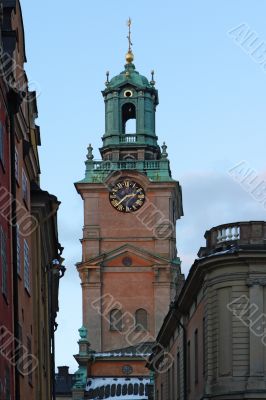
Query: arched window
point(116, 320)
point(141, 320)
point(129, 118)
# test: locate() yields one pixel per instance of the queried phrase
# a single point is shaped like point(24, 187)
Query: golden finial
point(129, 55)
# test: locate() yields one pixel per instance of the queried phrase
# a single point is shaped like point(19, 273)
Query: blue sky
point(211, 112)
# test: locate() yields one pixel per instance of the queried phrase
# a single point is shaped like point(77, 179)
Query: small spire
point(129, 55)
point(107, 78)
point(90, 156)
point(129, 23)
point(152, 82)
point(164, 152)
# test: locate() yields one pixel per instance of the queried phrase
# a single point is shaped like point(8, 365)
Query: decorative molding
point(256, 281)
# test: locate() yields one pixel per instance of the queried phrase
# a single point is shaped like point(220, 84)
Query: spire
point(129, 55)
point(152, 82)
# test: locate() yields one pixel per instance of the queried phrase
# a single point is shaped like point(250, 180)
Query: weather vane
point(129, 23)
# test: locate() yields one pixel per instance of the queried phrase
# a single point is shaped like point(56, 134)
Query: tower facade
point(129, 271)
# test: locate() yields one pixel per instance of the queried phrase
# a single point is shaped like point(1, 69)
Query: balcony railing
point(225, 236)
point(97, 171)
point(130, 164)
point(128, 138)
point(228, 233)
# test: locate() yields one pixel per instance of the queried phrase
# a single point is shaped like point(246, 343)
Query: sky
point(210, 71)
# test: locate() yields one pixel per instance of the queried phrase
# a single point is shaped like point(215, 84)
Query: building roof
point(64, 381)
point(129, 77)
point(118, 388)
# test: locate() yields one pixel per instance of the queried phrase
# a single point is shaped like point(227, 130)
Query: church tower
point(129, 271)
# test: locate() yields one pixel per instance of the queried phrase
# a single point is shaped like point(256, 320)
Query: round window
point(128, 93)
point(127, 369)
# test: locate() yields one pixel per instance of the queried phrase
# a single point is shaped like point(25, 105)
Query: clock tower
point(129, 271)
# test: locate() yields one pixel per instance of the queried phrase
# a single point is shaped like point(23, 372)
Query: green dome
point(130, 76)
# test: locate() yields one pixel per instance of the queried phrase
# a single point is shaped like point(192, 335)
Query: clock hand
point(125, 197)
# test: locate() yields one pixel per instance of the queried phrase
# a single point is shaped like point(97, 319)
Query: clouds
point(210, 199)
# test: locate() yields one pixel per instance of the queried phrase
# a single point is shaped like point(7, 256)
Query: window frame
point(27, 275)
point(188, 367)
point(25, 191)
point(18, 238)
point(178, 377)
point(196, 355)
point(29, 349)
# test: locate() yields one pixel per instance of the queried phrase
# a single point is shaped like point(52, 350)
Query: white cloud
point(210, 199)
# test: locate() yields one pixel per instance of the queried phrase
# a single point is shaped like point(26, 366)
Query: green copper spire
point(129, 96)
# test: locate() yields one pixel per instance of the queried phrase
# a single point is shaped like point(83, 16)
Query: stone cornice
point(256, 281)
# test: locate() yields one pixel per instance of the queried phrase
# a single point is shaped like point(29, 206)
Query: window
point(173, 380)
point(44, 349)
point(24, 186)
point(116, 320)
point(18, 252)
point(188, 367)
point(178, 375)
point(26, 266)
point(141, 320)
point(168, 384)
point(29, 348)
point(196, 354)
point(16, 165)
point(7, 384)
point(19, 349)
point(129, 113)
point(4, 262)
point(1, 143)
point(130, 126)
point(204, 344)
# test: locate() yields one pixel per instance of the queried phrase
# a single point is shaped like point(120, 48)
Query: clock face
point(127, 196)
